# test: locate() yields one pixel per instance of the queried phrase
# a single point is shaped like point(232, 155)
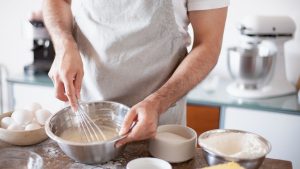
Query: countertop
point(200, 96)
point(218, 96)
point(42, 80)
point(54, 158)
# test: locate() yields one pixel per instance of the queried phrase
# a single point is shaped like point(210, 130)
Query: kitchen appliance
point(43, 51)
point(258, 64)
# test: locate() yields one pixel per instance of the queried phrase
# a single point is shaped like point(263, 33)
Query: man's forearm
point(59, 22)
point(208, 26)
point(194, 68)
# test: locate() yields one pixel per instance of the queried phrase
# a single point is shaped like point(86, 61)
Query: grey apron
point(130, 48)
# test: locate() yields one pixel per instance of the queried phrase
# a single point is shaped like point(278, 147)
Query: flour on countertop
point(107, 165)
point(52, 152)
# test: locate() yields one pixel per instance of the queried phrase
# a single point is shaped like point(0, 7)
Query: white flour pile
point(235, 145)
point(170, 138)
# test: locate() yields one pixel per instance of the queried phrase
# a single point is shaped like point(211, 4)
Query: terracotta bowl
point(20, 137)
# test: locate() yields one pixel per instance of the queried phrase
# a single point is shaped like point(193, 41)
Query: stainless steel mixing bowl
point(251, 67)
point(104, 113)
point(214, 158)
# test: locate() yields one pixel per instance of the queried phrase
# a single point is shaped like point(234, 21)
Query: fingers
point(125, 140)
point(65, 88)
point(60, 91)
point(128, 121)
point(145, 127)
point(68, 81)
point(77, 83)
point(132, 135)
point(138, 132)
point(58, 86)
point(67, 72)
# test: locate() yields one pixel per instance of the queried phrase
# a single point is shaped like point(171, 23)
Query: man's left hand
point(146, 116)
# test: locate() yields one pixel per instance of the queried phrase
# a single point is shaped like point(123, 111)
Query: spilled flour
point(107, 165)
point(238, 145)
point(52, 152)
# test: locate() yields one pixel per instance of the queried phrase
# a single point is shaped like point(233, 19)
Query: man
point(134, 52)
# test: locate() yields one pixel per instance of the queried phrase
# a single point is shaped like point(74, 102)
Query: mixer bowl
point(248, 68)
point(104, 113)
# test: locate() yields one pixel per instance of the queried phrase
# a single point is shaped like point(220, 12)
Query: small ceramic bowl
point(173, 143)
point(21, 137)
point(148, 163)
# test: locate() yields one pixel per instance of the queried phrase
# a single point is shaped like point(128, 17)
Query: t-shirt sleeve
point(194, 5)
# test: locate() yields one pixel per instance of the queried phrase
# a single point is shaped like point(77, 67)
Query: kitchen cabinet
point(277, 119)
point(202, 118)
point(281, 129)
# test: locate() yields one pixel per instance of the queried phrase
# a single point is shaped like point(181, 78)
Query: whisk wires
point(87, 126)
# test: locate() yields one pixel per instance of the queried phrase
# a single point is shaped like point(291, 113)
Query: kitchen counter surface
point(42, 80)
point(215, 96)
point(54, 158)
point(205, 94)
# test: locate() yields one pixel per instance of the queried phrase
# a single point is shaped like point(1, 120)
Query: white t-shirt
point(181, 7)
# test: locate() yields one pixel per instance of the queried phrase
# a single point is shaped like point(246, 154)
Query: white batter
point(74, 134)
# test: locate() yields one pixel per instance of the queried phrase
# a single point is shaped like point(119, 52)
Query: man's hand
point(145, 114)
point(67, 73)
point(67, 70)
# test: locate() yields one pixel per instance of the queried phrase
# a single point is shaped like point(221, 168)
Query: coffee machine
point(42, 49)
point(257, 65)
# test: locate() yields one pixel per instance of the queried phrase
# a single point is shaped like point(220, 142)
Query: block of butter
point(230, 165)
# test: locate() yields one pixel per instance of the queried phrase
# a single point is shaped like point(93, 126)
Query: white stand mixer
point(276, 30)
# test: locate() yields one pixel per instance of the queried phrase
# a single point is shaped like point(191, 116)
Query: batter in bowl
point(77, 135)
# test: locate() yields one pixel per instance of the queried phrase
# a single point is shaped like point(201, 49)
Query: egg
point(32, 126)
point(22, 116)
point(15, 126)
point(33, 107)
point(6, 121)
point(42, 115)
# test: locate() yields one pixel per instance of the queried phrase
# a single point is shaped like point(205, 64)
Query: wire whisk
point(91, 131)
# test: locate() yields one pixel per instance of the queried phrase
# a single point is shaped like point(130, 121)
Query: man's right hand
point(66, 73)
point(67, 70)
